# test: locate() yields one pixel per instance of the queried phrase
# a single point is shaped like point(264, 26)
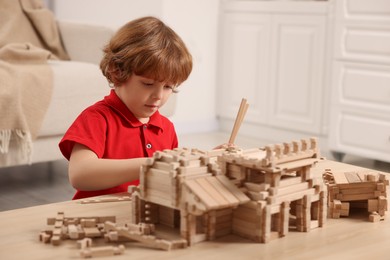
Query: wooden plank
point(199, 191)
point(193, 176)
point(246, 214)
point(362, 175)
point(357, 191)
point(291, 197)
point(250, 204)
point(257, 187)
point(192, 170)
point(235, 191)
point(155, 185)
point(223, 212)
point(165, 166)
point(250, 233)
point(159, 200)
point(242, 223)
point(352, 177)
point(258, 195)
point(157, 171)
point(340, 178)
point(297, 161)
point(158, 194)
point(361, 196)
point(290, 189)
point(357, 185)
point(157, 178)
point(212, 191)
point(225, 191)
point(289, 181)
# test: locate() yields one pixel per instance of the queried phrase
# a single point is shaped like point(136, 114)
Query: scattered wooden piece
point(105, 199)
point(102, 251)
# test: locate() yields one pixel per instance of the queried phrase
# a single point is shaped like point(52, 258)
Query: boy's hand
point(224, 146)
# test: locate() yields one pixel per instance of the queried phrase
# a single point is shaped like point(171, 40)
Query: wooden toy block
point(102, 251)
point(73, 232)
point(374, 217)
point(45, 236)
point(266, 224)
point(257, 187)
point(344, 211)
point(263, 195)
point(239, 119)
point(103, 200)
point(275, 191)
point(140, 232)
point(246, 221)
point(84, 243)
point(284, 218)
point(92, 232)
point(166, 166)
point(192, 170)
point(86, 223)
point(306, 213)
point(57, 232)
point(372, 205)
point(353, 177)
point(73, 228)
point(76, 220)
point(289, 181)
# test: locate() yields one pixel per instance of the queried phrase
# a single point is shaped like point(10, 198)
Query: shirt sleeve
point(88, 129)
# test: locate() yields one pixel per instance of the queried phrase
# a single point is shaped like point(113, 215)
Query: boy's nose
point(158, 93)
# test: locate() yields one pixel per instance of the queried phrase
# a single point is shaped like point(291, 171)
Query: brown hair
point(149, 48)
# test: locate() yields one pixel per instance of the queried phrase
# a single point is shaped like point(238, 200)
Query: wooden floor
point(37, 184)
point(45, 183)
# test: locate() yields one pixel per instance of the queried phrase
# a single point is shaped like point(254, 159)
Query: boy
point(144, 62)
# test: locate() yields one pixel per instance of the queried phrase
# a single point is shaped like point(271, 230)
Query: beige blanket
point(28, 38)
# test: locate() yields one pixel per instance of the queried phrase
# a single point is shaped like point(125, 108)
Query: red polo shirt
point(111, 131)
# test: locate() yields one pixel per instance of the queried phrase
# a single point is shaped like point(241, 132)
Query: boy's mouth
point(152, 106)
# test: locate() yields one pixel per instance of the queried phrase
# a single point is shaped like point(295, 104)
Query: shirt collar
point(116, 103)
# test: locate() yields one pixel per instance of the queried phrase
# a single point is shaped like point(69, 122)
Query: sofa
point(78, 83)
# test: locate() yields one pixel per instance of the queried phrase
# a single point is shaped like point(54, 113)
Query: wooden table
point(346, 238)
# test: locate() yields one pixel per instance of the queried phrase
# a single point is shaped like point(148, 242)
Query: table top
point(346, 238)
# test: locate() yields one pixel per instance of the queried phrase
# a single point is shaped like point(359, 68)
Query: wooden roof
point(212, 192)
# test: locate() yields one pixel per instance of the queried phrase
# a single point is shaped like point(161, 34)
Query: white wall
point(113, 13)
point(196, 21)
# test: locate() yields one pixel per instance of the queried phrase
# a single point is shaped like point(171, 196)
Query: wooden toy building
point(260, 194)
point(359, 189)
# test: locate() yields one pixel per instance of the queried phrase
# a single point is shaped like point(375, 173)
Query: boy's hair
point(148, 48)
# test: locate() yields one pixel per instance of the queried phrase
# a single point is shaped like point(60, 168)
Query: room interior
point(292, 89)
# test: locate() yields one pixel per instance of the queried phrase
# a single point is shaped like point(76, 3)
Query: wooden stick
point(239, 118)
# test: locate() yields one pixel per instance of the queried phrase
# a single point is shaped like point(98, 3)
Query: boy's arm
point(88, 172)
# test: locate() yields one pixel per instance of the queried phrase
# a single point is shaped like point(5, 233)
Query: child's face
point(144, 96)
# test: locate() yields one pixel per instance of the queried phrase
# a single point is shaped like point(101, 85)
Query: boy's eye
point(148, 83)
point(172, 88)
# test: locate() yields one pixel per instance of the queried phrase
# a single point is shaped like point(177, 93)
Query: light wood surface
point(346, 238)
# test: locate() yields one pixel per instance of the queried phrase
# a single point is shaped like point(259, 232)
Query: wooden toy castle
point(260, 194)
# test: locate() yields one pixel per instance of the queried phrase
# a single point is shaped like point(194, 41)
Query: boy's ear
point(114, 77)
point(114, 74)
